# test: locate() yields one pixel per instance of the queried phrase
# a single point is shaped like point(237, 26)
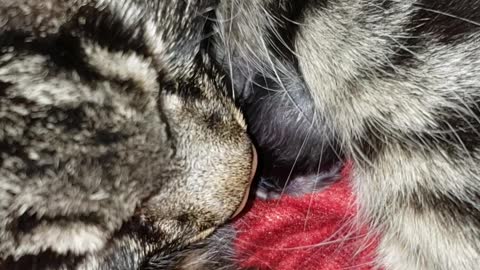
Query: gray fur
point(117, 141)
point(398, 84)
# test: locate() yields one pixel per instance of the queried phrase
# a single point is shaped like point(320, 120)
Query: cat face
point(118, 140)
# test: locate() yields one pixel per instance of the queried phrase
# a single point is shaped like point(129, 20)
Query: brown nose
point(252, 175)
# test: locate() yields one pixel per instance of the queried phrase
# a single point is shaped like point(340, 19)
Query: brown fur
point(117, 140)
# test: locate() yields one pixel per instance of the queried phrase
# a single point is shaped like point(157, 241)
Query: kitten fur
point(117, 139)
point(396, 85)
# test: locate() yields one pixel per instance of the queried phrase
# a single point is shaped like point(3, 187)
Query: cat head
point(117, 137)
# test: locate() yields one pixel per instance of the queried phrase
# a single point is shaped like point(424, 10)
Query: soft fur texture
point(396, 85)
point(117, 141)
point(118, 137)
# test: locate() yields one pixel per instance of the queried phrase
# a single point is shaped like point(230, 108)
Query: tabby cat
point(391, 85)
point(117, 140)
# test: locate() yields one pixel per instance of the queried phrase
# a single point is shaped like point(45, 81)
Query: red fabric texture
point(314, 231)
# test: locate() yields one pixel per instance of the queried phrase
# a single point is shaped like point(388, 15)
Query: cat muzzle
point(252, 175)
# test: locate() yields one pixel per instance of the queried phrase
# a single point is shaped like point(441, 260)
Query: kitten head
point(117, 139)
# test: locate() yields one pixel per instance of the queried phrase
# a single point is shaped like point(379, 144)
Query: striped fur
point(117, 140)
point(394, 86)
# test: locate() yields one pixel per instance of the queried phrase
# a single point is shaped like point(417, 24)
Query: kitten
point(117, 139)
point(395, 86)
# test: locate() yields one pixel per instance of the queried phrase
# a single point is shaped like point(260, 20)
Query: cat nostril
point(252, 175)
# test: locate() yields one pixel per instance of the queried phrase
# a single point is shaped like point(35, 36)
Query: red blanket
point(309, 232)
